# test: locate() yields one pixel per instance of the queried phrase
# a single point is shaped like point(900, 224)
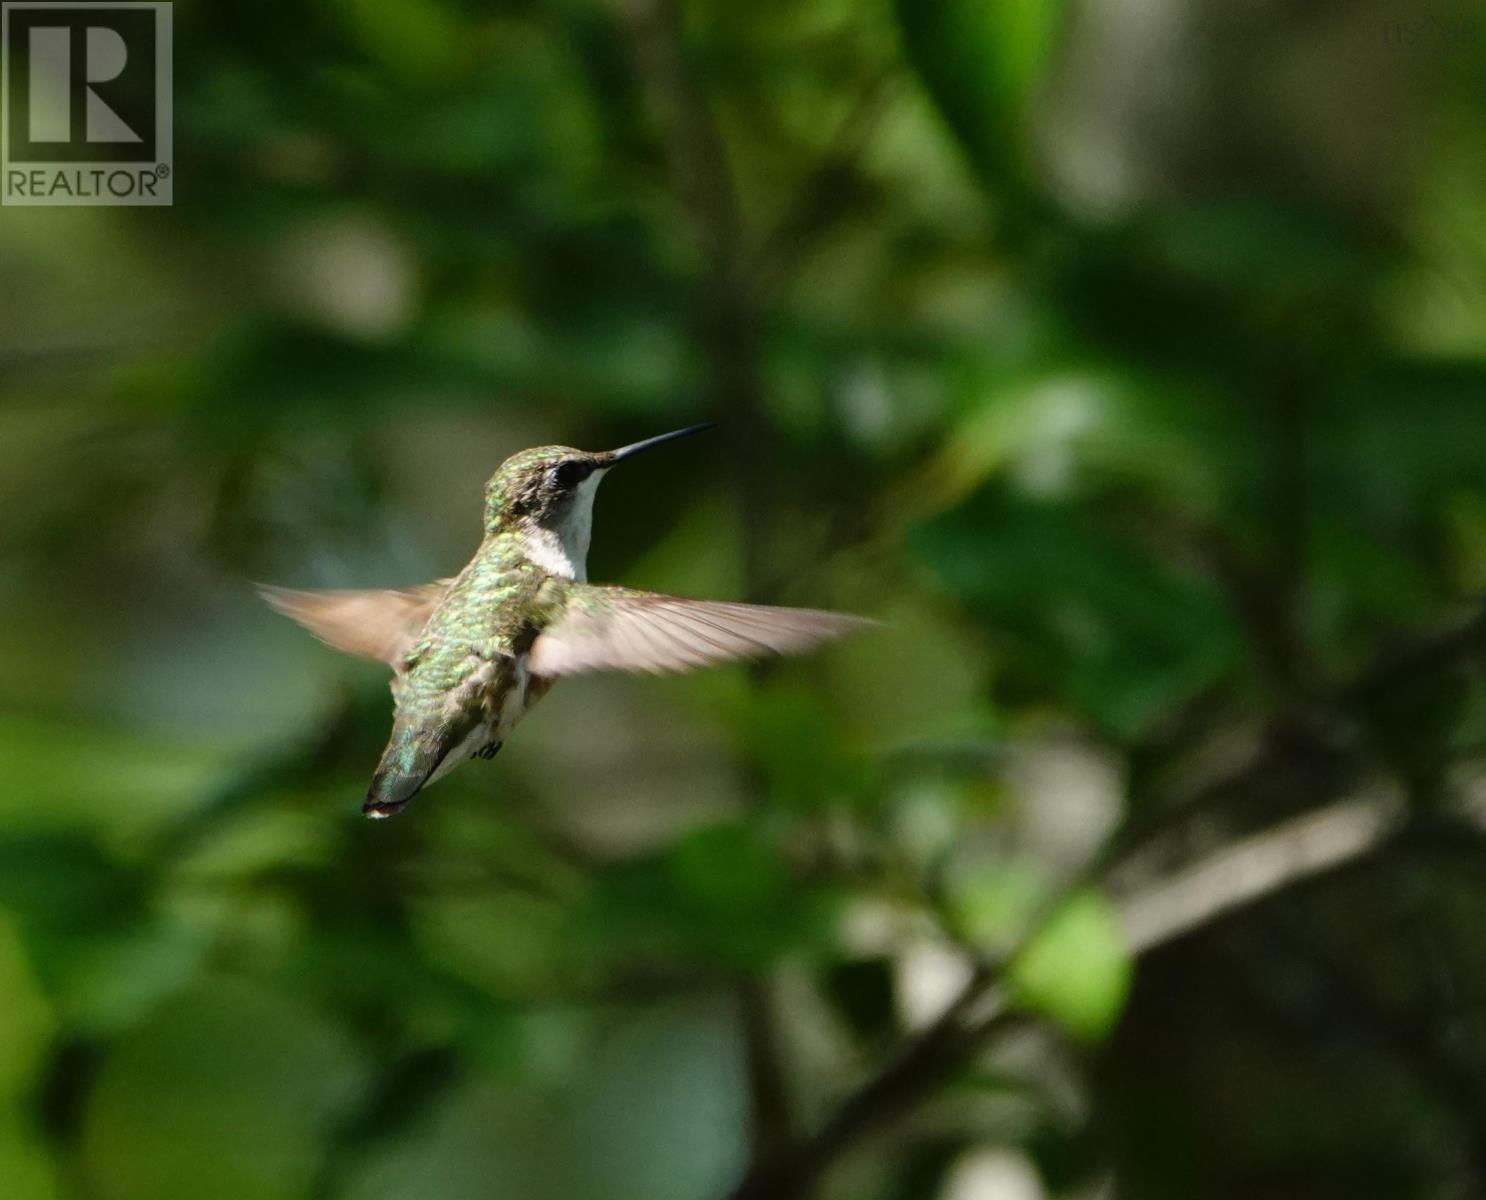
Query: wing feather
point(619, 629)
point(380, 624)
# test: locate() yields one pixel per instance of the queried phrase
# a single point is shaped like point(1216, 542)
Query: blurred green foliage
point(1127, 360)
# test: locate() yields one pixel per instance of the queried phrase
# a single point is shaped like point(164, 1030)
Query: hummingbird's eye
point(571, 473)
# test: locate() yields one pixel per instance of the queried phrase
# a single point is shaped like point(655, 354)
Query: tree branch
point(1240, 874)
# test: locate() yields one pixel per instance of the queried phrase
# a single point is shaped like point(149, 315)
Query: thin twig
point(1254, 868)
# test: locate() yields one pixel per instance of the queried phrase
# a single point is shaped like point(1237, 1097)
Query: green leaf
point(1077, 970)
point(505, 944)
point(418, 38)
point(225, 1091)
point(28, 1171)
point(1103, 622)
point(26, 1021)
point(801, 749)
point(982, 61)
point(994, 908)
point(722, 894)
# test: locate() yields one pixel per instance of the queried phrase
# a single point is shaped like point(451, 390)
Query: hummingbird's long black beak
point(634, 448)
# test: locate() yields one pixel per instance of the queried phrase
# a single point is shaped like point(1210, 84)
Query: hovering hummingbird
point(470, 655)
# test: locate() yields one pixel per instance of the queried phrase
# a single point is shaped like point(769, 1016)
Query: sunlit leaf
point(1077, 970)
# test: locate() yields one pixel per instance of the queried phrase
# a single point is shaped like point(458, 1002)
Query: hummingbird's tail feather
point(412, 756)
point(390, 793)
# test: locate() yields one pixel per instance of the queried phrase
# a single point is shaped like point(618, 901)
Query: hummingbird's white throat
point(563, 549)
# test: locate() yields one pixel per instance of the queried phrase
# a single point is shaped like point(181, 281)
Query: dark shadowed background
point(1128, 360)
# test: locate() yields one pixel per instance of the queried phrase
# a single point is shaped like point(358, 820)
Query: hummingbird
point(470, 655)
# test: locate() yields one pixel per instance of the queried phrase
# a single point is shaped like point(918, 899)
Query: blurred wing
point(616, 629)
point(373, 624)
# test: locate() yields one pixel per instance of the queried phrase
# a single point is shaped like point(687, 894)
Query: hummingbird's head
point(545, 496)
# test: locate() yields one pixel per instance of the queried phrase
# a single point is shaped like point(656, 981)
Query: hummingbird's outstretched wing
point(378, 624)
point(619, 629)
